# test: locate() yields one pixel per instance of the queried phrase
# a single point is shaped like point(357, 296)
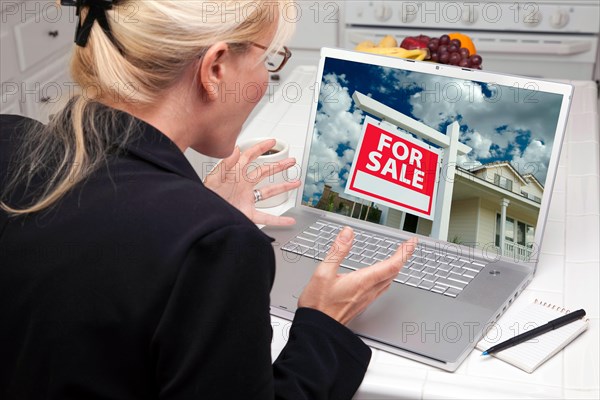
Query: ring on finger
point(257, 195)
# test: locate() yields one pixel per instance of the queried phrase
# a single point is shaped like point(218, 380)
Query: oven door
point(536, 55)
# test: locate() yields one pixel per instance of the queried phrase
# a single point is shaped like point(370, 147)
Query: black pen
point(523, 337)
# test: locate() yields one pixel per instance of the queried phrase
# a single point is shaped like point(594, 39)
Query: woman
point(122, 274)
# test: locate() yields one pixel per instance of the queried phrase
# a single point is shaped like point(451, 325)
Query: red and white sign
point(396, 171)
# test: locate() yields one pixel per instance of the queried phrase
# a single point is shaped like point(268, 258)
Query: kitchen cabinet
point(36, 39)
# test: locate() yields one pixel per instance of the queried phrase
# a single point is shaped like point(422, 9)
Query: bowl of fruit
point(453, 49)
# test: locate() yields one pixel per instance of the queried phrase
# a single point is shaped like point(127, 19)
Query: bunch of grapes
point(444, 50)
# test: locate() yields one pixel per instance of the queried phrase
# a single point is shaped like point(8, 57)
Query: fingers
point(339, 250)
point(274, 190)
point(402, 254)
point(256, 173)
point(253, 152)
point(376, 279)
point(272, 220)
point(387, 270)
point(272, 168)
point(406, 249)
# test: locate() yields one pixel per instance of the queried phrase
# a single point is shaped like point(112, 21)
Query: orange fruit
point(465, 41)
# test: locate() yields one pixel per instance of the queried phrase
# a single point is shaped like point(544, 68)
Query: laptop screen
point(484, 191)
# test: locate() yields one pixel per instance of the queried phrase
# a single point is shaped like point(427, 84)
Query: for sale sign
point(395, 170)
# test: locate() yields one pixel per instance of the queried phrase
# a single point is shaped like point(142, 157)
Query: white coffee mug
point(279, 152)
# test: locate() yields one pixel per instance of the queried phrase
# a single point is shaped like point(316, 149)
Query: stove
point(546, 39)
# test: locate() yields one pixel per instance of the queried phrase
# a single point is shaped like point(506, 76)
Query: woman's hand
point(344, 296)
point(235, 177)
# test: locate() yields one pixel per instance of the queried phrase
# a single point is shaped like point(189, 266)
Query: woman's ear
point(212, 69)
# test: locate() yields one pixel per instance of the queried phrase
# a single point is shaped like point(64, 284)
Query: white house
point(493, 207)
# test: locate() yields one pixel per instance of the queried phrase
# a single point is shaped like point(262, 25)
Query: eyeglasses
point(275, 61)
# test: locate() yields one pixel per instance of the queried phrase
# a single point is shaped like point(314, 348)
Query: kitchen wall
point(317, 25)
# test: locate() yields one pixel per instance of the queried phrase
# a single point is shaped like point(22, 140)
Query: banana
point(424, 53)
point(388, 41)
point(416, 54)
point(362, 46)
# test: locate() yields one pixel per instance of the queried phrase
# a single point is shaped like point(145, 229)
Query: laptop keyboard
point(428, 269)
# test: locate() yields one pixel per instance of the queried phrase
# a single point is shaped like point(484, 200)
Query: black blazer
point(143, 284)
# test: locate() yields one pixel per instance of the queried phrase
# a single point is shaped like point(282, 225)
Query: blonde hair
point(156, 42)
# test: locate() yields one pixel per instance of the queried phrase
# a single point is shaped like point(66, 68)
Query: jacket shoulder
point(12, 130)
point(11, 124)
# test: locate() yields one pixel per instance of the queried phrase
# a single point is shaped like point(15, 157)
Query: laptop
point(463, 159)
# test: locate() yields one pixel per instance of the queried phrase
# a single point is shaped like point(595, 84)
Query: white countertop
point(568, 273)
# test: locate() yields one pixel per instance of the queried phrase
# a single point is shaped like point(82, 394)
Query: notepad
point(533, 353)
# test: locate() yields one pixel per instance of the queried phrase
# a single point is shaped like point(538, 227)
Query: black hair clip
point(96, 12)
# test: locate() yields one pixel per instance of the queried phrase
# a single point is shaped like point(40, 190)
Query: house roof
point(501, 164)
point(505, 192)
point(534, 180)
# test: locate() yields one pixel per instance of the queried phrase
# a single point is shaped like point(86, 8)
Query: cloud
point(480, 145)
point(533, 160)
point(499, 122)
point(337, 130)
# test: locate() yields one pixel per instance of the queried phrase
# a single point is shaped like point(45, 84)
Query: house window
point(529, 236)
point(509, 230)
point(521, 233)
point(497, 230)
point(411, 223)
point(503, 182)
point(515, 232)
point(531, 197)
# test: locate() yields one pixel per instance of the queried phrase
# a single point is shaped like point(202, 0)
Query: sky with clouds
point(499, 123)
